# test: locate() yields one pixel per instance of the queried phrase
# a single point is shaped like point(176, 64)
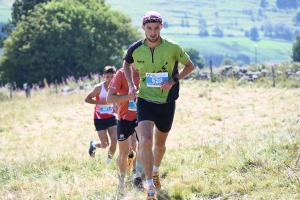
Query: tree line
point(56, 39)
point(270, 29)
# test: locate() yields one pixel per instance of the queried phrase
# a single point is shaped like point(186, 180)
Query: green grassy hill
point(232, 17)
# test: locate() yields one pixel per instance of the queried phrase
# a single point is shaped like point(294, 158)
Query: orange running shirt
point(119, 85)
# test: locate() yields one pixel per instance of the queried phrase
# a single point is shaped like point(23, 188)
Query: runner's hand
point(166, 85)
point(132, 92)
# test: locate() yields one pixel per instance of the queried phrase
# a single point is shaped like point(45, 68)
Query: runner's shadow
point(162, 195)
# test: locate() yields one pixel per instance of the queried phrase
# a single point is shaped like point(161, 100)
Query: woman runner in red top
point(104, 116)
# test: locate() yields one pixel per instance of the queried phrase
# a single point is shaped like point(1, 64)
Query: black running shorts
point(103, 124)
point(161, 114)
point(125, 129)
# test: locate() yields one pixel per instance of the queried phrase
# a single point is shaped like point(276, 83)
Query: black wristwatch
point(175, 79)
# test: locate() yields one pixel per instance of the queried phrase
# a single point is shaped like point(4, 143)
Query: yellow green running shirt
point(155, 67)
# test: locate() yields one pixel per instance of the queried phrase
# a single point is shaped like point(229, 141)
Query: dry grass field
point(227, 142)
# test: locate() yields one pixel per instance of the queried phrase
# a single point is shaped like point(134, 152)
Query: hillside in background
point(5, 11)
point(186, 20)
point(249, 30)
point(5, 14)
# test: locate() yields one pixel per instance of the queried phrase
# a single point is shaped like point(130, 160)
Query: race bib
point(106, 109)
point(155, 79)
point(132, 106)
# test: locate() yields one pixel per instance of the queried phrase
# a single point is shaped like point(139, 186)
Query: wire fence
point(274, 74)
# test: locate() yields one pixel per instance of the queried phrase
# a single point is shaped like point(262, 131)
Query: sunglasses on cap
point(152, 20)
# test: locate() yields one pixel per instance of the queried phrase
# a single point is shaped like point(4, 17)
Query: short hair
point(109, 70)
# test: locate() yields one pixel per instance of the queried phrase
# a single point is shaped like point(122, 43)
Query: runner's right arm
point(114, 88)
point(113, 97)
point(129, 78)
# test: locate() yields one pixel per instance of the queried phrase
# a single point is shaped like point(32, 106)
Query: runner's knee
point(160, 146)
point(123, 155)
point(146, 143)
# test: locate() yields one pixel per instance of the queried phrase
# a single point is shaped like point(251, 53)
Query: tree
point(283, 4)
point(279, 29)
point(227, 61)
point(202, 22)
point(166, 24)
point(240, 63)
point(215, 58)
point(187, 23)
point(182, 23)
point(246, 34)
point(217, 32)
point(283, 31)
point(6, 29)
point(287, 33)
point(243, 57)
point(202, 31)
point(296, 49)
point(296, 19)
point(20, 8)
point(202, 26)
point(296, 31)
point(264, 3)
point(195, 57)
point(254, 34)
point(3, 35)
point(65, 38)
point(268, 29)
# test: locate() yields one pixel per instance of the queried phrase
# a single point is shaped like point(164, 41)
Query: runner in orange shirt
point(127, 121)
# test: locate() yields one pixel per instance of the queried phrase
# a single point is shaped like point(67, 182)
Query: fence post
point(211, 72)
point(56, 86)
point(25, 87)
point(10, 91)
point(273, 75)
point(28, 91)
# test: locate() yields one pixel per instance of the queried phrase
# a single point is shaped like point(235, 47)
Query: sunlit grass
point(226, 142)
